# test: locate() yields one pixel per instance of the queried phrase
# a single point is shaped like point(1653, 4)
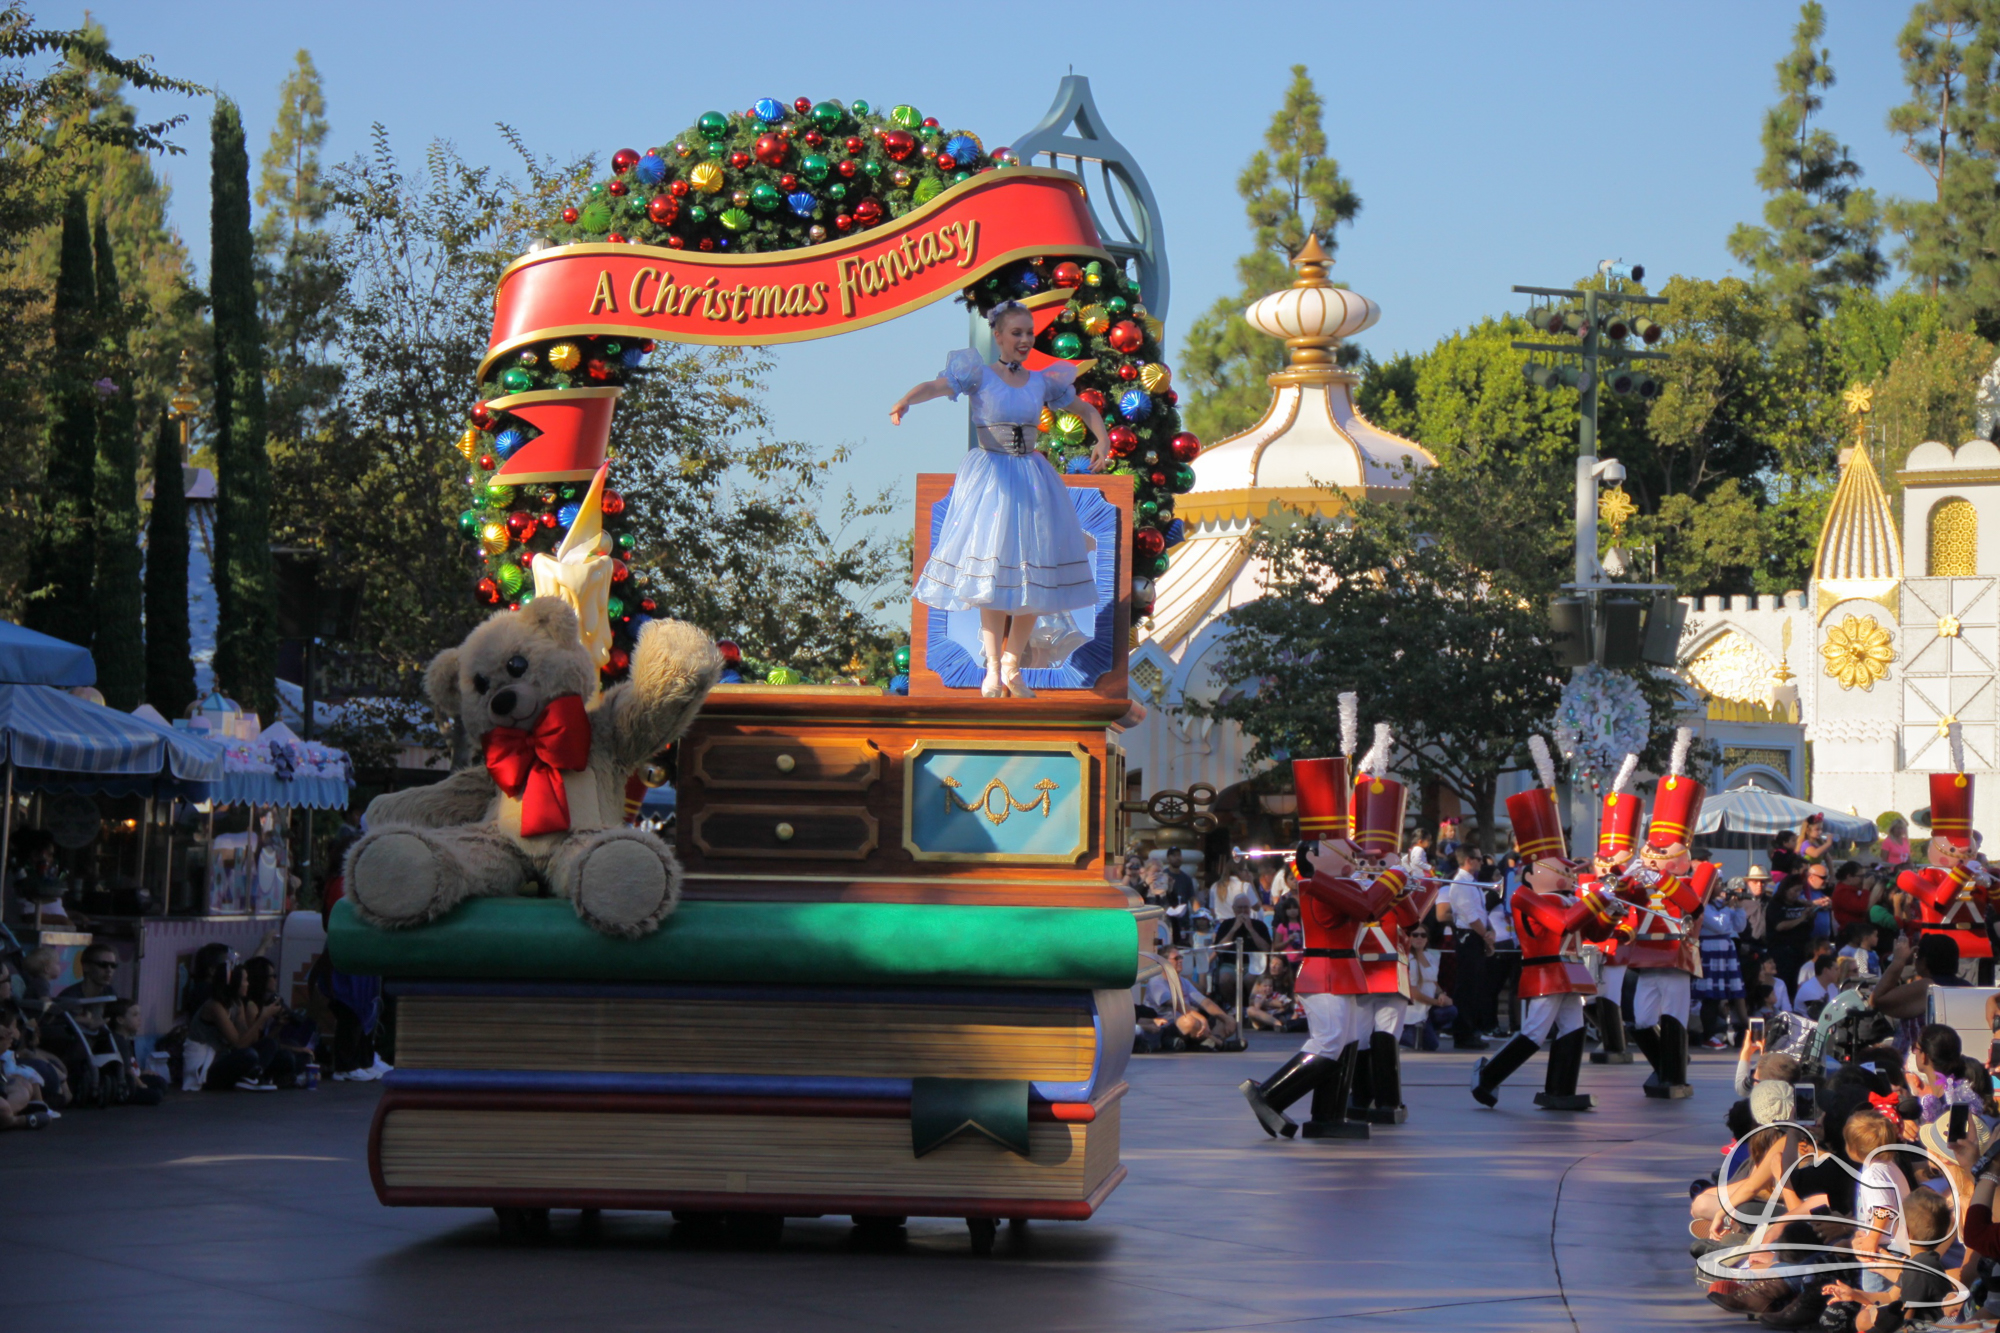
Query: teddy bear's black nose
point(503, 702)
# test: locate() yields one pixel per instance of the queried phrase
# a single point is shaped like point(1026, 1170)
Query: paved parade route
point(236, 1211)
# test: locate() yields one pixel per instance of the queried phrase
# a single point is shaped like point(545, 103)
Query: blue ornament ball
point(769, 110)
point(1081, 463)
point(1027, 280)
point(1176, 533)
point(899, 684)
point(803, 203)
point(1135, 404)
point(567, 515)
point(633, 357)
point(964, 149)
point(652, 169)
point(507, 441)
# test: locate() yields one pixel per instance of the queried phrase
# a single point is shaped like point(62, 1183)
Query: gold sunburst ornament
point(1857, 652)
point(1858, 400)
point(1615, 507)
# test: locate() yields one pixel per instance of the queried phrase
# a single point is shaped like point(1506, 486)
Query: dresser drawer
point(784, 763)
point(801, 832)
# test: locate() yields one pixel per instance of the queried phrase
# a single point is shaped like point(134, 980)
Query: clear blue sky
point(1490, 143)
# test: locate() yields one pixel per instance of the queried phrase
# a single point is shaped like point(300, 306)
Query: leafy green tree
point(1822, 232)
point(169, 660)
point(60, 569)
point(1404, 623)
point(299, 279)
point(118, 644)
point(1932, 46)
point(245, 588)
point(1224, 361)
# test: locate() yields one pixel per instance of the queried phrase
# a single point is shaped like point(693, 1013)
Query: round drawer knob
point(786, 763)
point(784, 833)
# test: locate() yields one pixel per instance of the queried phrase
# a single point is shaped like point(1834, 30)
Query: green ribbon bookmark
point(943, 1108)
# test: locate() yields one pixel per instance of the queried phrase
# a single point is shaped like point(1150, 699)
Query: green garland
point(782, 177)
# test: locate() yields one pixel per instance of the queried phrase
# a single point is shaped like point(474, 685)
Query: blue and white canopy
point(55, 739)
point(31, 658)
point(1754, 810)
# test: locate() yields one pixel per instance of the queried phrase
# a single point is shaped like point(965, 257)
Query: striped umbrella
point(1754, 810)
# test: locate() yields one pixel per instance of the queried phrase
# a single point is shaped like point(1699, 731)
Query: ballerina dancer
point(1011, 546)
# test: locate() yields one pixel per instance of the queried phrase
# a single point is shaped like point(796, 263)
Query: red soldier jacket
point(1610, 948)
point(1660, 933)
point(1333, 911)
point(1951, 903)
point(1541, 922)
point(1385, 961)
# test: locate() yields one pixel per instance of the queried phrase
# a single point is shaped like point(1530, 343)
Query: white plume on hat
point(1376, 762)
point(1625, 772)
point(1683, 738)
point(1956, 741)
point(1350, 722)
point(1545, 766)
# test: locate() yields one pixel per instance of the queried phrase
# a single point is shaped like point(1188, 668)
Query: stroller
point(1846, 1026)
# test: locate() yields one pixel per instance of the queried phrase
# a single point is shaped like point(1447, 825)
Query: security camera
point(1610, 471)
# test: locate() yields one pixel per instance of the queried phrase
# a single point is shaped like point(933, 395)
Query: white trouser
point(1662, 992)
point(1335, 1020)
point(1546, 1014)
point(1611, 982)
point(1387, 1013)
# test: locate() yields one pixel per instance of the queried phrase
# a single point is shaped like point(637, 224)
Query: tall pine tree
point(1969, 193)
point(1224, 361)
point(61, 566)
point(299, 279)
point(169, 658)
point(246, 649)
point(1932, 124)
point(118, 644)
point(1822, 232)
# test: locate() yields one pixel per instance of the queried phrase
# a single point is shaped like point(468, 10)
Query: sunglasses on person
point(109, 963)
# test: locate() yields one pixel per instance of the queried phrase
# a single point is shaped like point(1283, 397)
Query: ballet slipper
point(991, 688)
point(1010, 673)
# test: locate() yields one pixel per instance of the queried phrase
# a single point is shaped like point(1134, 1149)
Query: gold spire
point(1860, 554)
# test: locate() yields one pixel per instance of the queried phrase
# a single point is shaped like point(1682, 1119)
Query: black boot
point(1331, 1095)
point(1270, 1098)
point(1648, 1042)
point(1673, 1065)
point(1611, 1034)
point(1493, 1071)
point(1559, 1087)
point(1386, 1080)
point(1361, 1097)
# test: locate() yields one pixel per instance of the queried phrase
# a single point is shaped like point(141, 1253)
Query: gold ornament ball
point(1154, 328)
point(741, 199)
point(1154, 377)
point(1047, 422)
point(528, 358)
point(1093, 279)
point(468, 443)
point(707, 178)
point(493, 538)
point(564, 356)
point(1095, 321)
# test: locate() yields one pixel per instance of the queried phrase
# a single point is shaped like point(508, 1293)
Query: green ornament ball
point(468, 522)
point(613, 349)
point(960, 177)
point(814, 167)
point(713, 124)
point(929, 188)
point(872, 167)
point(1156, 567)
point(569, 492)
point(517, 380)
point(1067, 346)
point(614, 608)
point(1181, 479)
point(836, 191)
point(625, 541)
point(596, 217)
point(902, 659)
point(828, 115)
point(1116, 305)
point(1148, 511)
point(765, 197)
point(858, 107)
point(697, 214)
point(783, 676)
point(527, 595)
point(597, 187)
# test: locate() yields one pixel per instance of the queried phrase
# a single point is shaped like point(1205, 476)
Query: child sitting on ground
point(1916, 1298)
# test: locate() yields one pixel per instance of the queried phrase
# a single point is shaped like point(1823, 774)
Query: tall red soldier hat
point(1951, 796)
point(1537, 820)
point(1677, 800)
point(1377, 811)
point(1618, 821)
point(1322, 788)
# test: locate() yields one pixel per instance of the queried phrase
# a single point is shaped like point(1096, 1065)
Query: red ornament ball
point(614, 238)
point(868, 212)
point(676, 243)
point(1148, 541)
point(1128, 372)
point(617, 187)
point(663, 209)
point(488, 590)
point(569, 215)
point(486, 463)
point(1186, 447)
point(1095, 397)
point(802, 105)
point(548, 520)
point(771, 150)
point(930, 122)
point(520, 525)
point(899, 144)
point(1123, 440)
point(842, 221)
point(679, 189)
point(648, 605)
point(945, 162)
point(597, 368)
point(847, 168)
point(1126, 336)
point(739, 159)
point(1172, 396)
point(814, 138)
point(856, 145)
point(620, 571)
point(708, 242)
point(479, 416)
point(624, 160)
point(1068, 275)
point(647, 347)
point(614, 503)
point(620, 659)
point(788, 182)
point(1159, 479)
point(730, 652)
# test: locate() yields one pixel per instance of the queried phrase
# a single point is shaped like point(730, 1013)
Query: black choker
point(1014, 366)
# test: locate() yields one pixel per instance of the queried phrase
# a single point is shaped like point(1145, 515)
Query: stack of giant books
point(794, 1059)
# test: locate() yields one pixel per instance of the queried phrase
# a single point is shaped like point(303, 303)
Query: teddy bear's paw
point(397, 879)
point(625, 887)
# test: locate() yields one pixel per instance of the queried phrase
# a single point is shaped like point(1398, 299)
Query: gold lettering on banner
point(636, 297)
point(901, 262)
point(1008, 805)
point(603, 300)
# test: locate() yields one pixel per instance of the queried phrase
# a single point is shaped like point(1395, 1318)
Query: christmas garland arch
point(786, 176)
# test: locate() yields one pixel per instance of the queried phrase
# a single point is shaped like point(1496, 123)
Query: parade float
point(896, 981)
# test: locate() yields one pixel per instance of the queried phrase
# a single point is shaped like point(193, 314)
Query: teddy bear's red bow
point(525, 763)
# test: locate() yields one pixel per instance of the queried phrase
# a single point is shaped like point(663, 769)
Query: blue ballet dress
point(1010, 541)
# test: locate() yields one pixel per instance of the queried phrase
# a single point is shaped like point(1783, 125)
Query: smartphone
point(1757, 1031)
point(1802, 1101)
point(1958, 1117)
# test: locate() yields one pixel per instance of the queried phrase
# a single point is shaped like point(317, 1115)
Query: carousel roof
point(1859, 553)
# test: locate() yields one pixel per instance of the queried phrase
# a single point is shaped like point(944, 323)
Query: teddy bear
point(547, 803)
